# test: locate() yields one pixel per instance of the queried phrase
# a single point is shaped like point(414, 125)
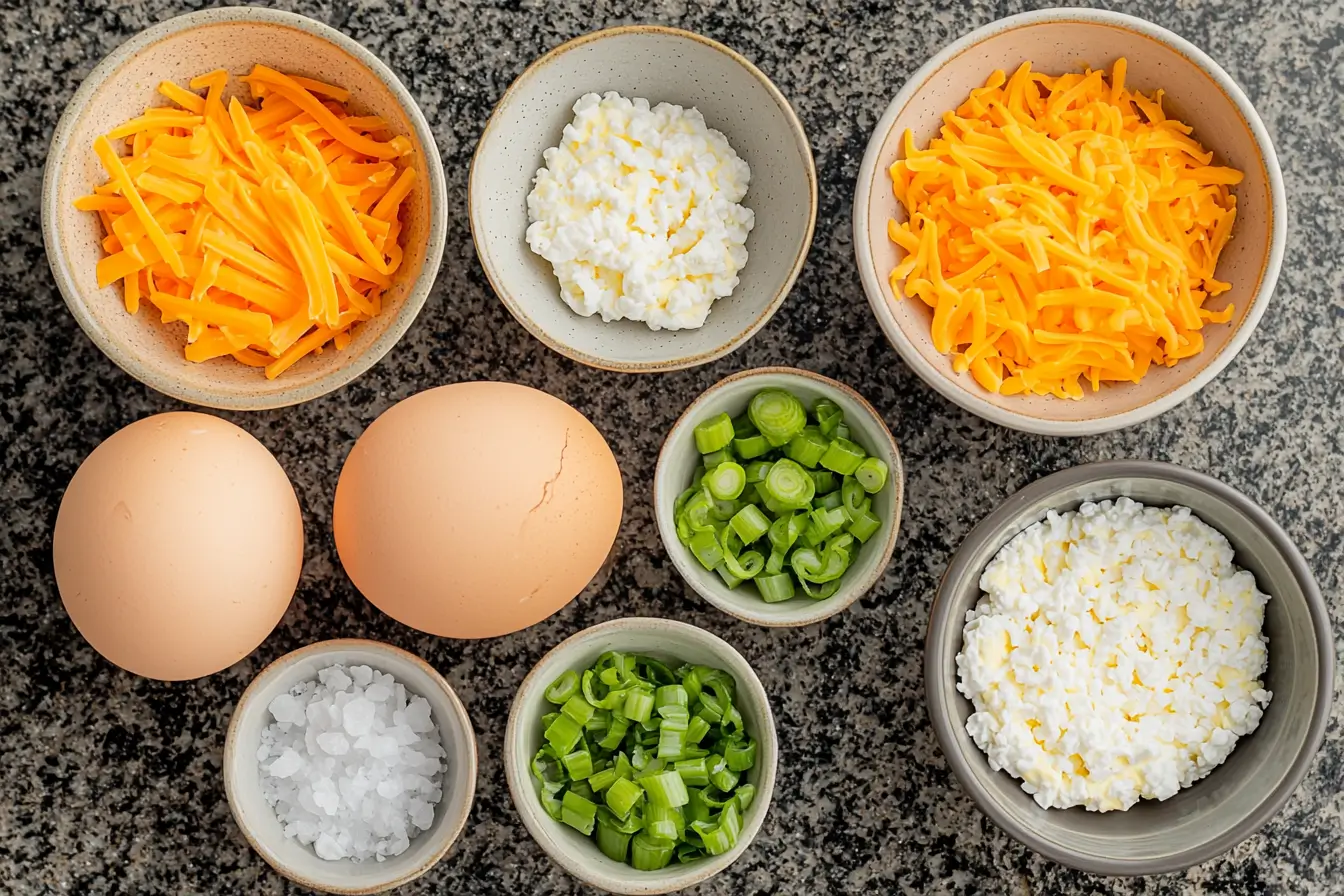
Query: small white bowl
point(1198, 91)
point(663, 639)
point(256, 818)
point(678, 460)
point(660, 65)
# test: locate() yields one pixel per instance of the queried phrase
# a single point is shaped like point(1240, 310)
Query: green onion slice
point(726, 481)
point(714, 434)
point(807, 447)
point(871, 474)
point(843, 456)
point(778, 415)
point(563, 688)
point(789, 485)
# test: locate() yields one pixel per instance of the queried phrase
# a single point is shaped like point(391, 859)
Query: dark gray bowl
point(1209, 818)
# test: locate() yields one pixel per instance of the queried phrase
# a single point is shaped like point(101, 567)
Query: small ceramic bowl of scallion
point(778, 496)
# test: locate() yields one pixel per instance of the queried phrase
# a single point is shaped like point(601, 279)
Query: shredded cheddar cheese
point(1064, 231)
point(269, 231)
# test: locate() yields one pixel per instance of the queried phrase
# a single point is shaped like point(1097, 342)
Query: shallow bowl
point(1239, 796)
point(1198, 92)
point(119, 88)
point(257, 820)
point(663, 639)
point(679, 460)
point(660, 65)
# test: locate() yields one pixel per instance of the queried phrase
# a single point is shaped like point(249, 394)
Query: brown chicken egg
point(476, 509)
point(178, 546)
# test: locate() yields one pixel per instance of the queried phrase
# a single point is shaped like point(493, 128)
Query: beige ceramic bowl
point(667, 640)
point(120, 88)
point(660, 65)
point(1197, 91)
point(678, 461)
point(257, 820)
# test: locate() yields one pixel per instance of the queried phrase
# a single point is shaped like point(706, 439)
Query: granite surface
point(110, 784)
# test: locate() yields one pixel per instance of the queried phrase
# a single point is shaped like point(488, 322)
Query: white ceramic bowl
point(678, 461)
point(663, 639)
point(256, 818)
point(1197, 91)
point(119, 88)
point(660, 65)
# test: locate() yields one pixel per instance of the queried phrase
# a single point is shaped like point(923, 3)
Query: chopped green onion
point(828, 415)
point(615, 734)
point(578, 709)
point(864, 527)
point(578, 812)
point(745, 794)
point(841, 431)
point(714, 434)
point(671, 695)
point(666, 789)
point(778, 415)
point(613, 843)
point(751, 446)
point(871, 474)
point(600, 781)
point(756, 471)
point(726, 481)
point(563, 734)
point(843, 456)
point(807, 447)
point(696, 730)
point(732, 581)
point(579, 764)
point(749, 523)
point(714, 458)
point(824, 523)
point(825, 481)
point(829, 501)
point(665, 823)
point(776, 588)
point(563, 688)
point(694, 772)
point(622, 796)
point(648, 853)
point(740, 754)
point(705, 546)
point(720, 775)
point(789, 485)
point(638, 705)
point(743, 427)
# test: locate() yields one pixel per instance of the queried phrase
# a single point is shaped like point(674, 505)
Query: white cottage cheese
point(637, 211)
point(1115, 655)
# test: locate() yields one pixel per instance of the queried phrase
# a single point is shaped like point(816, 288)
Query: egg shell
point(178, 545)
point(477, 509)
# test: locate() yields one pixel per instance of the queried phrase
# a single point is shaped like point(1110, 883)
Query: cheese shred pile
point(1064, 231)
point(269, 231)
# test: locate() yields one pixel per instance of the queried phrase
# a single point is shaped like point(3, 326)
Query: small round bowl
point(678, 460)
point(256, 818)
point(120, 88)
point(660, 65)
point(664, 639)
point(1239, 796)
point(1197, 91)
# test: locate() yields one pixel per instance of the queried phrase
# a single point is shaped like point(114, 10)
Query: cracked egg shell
point(477, 509)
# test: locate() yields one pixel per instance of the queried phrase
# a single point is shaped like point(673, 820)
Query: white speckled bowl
point(120, 88)
point(660, 65)
point(257, 820)
point(664, 639)
point(678, 461)
point(1197, 90)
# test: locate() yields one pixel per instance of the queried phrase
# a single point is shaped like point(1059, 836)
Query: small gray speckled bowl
point(1239, 796)
point(257, 819)
point(120, 88)
point(679, 460)
point(670, 641)
point(660, 65)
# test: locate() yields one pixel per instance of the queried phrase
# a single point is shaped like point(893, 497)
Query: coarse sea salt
point(352, 764)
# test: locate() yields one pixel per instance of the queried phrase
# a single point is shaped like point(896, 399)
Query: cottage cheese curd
point(637, 211)
point(1115, 655)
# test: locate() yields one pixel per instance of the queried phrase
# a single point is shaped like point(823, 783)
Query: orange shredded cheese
point(1064, 231)
point(270, 231)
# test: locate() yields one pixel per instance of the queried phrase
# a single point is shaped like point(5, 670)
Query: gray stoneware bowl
point(1241, 795)
point(664, 639)
point(120, 87)
point(660, 65)
point(679, 460)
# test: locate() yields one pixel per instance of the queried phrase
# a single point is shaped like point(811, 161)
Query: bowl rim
point(963, 395)
point(467, 754)
point(520, 313)
point(942, 615)
point(168, 383)
point(520, 782)
point(853, 590)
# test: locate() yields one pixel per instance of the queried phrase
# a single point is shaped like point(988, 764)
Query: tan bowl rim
point(227, 399)
point(672, 878)
point(852, 591)
point(966, 396)
point(321, 647)
point(516, 308)
point(943, 614)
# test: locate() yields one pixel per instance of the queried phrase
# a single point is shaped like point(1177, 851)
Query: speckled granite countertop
point(111, 784)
